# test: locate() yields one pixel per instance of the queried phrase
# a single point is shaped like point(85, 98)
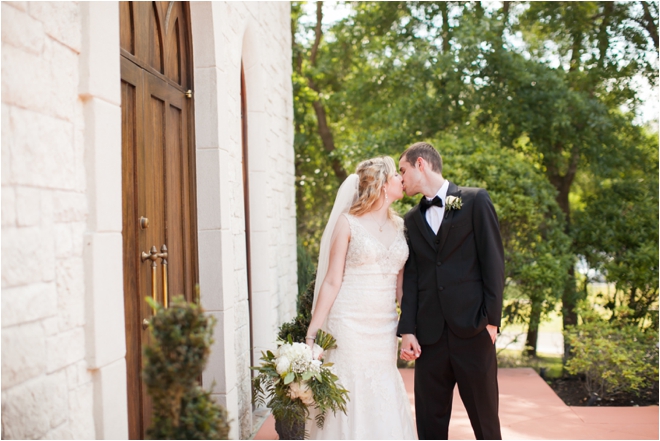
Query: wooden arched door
point(158, 164)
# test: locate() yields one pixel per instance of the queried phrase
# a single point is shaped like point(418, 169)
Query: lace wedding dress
point(363, 319)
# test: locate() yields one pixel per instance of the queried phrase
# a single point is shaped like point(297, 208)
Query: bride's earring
point(386, 199)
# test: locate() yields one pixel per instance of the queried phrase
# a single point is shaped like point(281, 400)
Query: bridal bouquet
point(294, 378)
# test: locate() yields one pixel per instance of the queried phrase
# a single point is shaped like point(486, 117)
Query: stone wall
point(47, 388)
point(63, 343)
point(258, 36)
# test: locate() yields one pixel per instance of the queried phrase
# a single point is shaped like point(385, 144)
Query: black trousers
point(469, 362)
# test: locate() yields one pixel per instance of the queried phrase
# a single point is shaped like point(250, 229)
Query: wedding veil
point(346, 196)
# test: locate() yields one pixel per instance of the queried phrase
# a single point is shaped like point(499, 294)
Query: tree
point(392, 73)
point(316, 166)
point(533, 109)
point(616, 231)
point(604, 46)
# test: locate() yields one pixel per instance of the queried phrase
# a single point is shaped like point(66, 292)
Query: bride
point(358, 281)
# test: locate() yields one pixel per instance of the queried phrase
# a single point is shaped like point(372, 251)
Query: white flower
point(317, 352)
point(295, 357)
point(283, 364)
point(303, 349)
point(453, 203)
point(299, 365)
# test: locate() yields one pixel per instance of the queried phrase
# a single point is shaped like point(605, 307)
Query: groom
point(452, 297)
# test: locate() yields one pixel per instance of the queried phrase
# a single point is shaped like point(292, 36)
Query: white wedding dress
point(363, 319)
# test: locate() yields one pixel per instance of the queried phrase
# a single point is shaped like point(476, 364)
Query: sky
point(648, 111)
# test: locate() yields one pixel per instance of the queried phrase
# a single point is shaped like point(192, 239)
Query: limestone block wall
point(47, 388)
point(256, 34)
point(63, 343)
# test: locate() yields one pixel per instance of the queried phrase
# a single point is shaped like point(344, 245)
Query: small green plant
point(614, 356)
point(174, 361)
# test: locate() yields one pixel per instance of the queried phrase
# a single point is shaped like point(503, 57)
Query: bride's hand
point(410, 348)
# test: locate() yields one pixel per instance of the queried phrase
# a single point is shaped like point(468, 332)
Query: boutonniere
point(453, 203)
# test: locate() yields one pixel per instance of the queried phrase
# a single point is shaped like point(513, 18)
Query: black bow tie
point(424, 204)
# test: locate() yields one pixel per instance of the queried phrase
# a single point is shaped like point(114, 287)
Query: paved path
point(529, 409)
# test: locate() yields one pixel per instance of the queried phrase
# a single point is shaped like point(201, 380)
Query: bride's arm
point(333, 278)
point(399, 287)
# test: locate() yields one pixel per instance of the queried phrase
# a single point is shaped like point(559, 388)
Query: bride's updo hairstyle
point(373, 175)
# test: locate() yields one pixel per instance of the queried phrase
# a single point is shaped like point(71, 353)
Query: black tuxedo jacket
point(457, 276)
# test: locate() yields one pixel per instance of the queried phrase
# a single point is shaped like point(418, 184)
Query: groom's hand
point(410, 348)
point(492, 330)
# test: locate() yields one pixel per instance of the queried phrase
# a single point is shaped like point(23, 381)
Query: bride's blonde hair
point(373, 174)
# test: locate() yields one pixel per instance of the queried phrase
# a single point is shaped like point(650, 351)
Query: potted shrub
point(174, 361)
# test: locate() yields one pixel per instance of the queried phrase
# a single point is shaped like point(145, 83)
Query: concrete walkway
point(529, 409)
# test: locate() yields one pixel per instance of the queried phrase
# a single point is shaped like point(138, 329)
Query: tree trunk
point(649, 24)
point(576, 50)
point(321, 117)
point(505, 19)
point(479, 9)
point(445, 27)
point(603, 37)
point(318, 33)
point(563, 185)
point(569, 296)
point(533, 329)
point(327, 138)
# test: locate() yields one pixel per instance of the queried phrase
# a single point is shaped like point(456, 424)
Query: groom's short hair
point(427, 152)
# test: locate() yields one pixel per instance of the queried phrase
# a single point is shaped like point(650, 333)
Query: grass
point(598, 293)
point(507, 358)
point(553, 323)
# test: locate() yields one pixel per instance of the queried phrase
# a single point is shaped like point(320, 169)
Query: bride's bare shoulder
point(343, 227)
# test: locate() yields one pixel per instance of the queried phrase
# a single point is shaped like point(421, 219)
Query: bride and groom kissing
point(444, 265)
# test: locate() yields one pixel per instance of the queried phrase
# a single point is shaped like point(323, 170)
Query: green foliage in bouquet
point(296, 329)
point(174, 360)
point(614, 356)
point(295, 379)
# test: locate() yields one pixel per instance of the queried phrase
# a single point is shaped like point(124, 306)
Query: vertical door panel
point(157, 174)
point(134, 284)
point(175, 225)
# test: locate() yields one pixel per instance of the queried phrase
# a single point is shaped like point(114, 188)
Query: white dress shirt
point(435, 214)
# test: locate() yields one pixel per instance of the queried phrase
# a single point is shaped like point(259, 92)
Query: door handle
point(163, 256)
point(154, 255)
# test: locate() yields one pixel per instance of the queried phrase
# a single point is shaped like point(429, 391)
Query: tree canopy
point(535, 101)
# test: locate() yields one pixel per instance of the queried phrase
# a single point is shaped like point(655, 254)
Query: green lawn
point(553, 323)
point(507, 358)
